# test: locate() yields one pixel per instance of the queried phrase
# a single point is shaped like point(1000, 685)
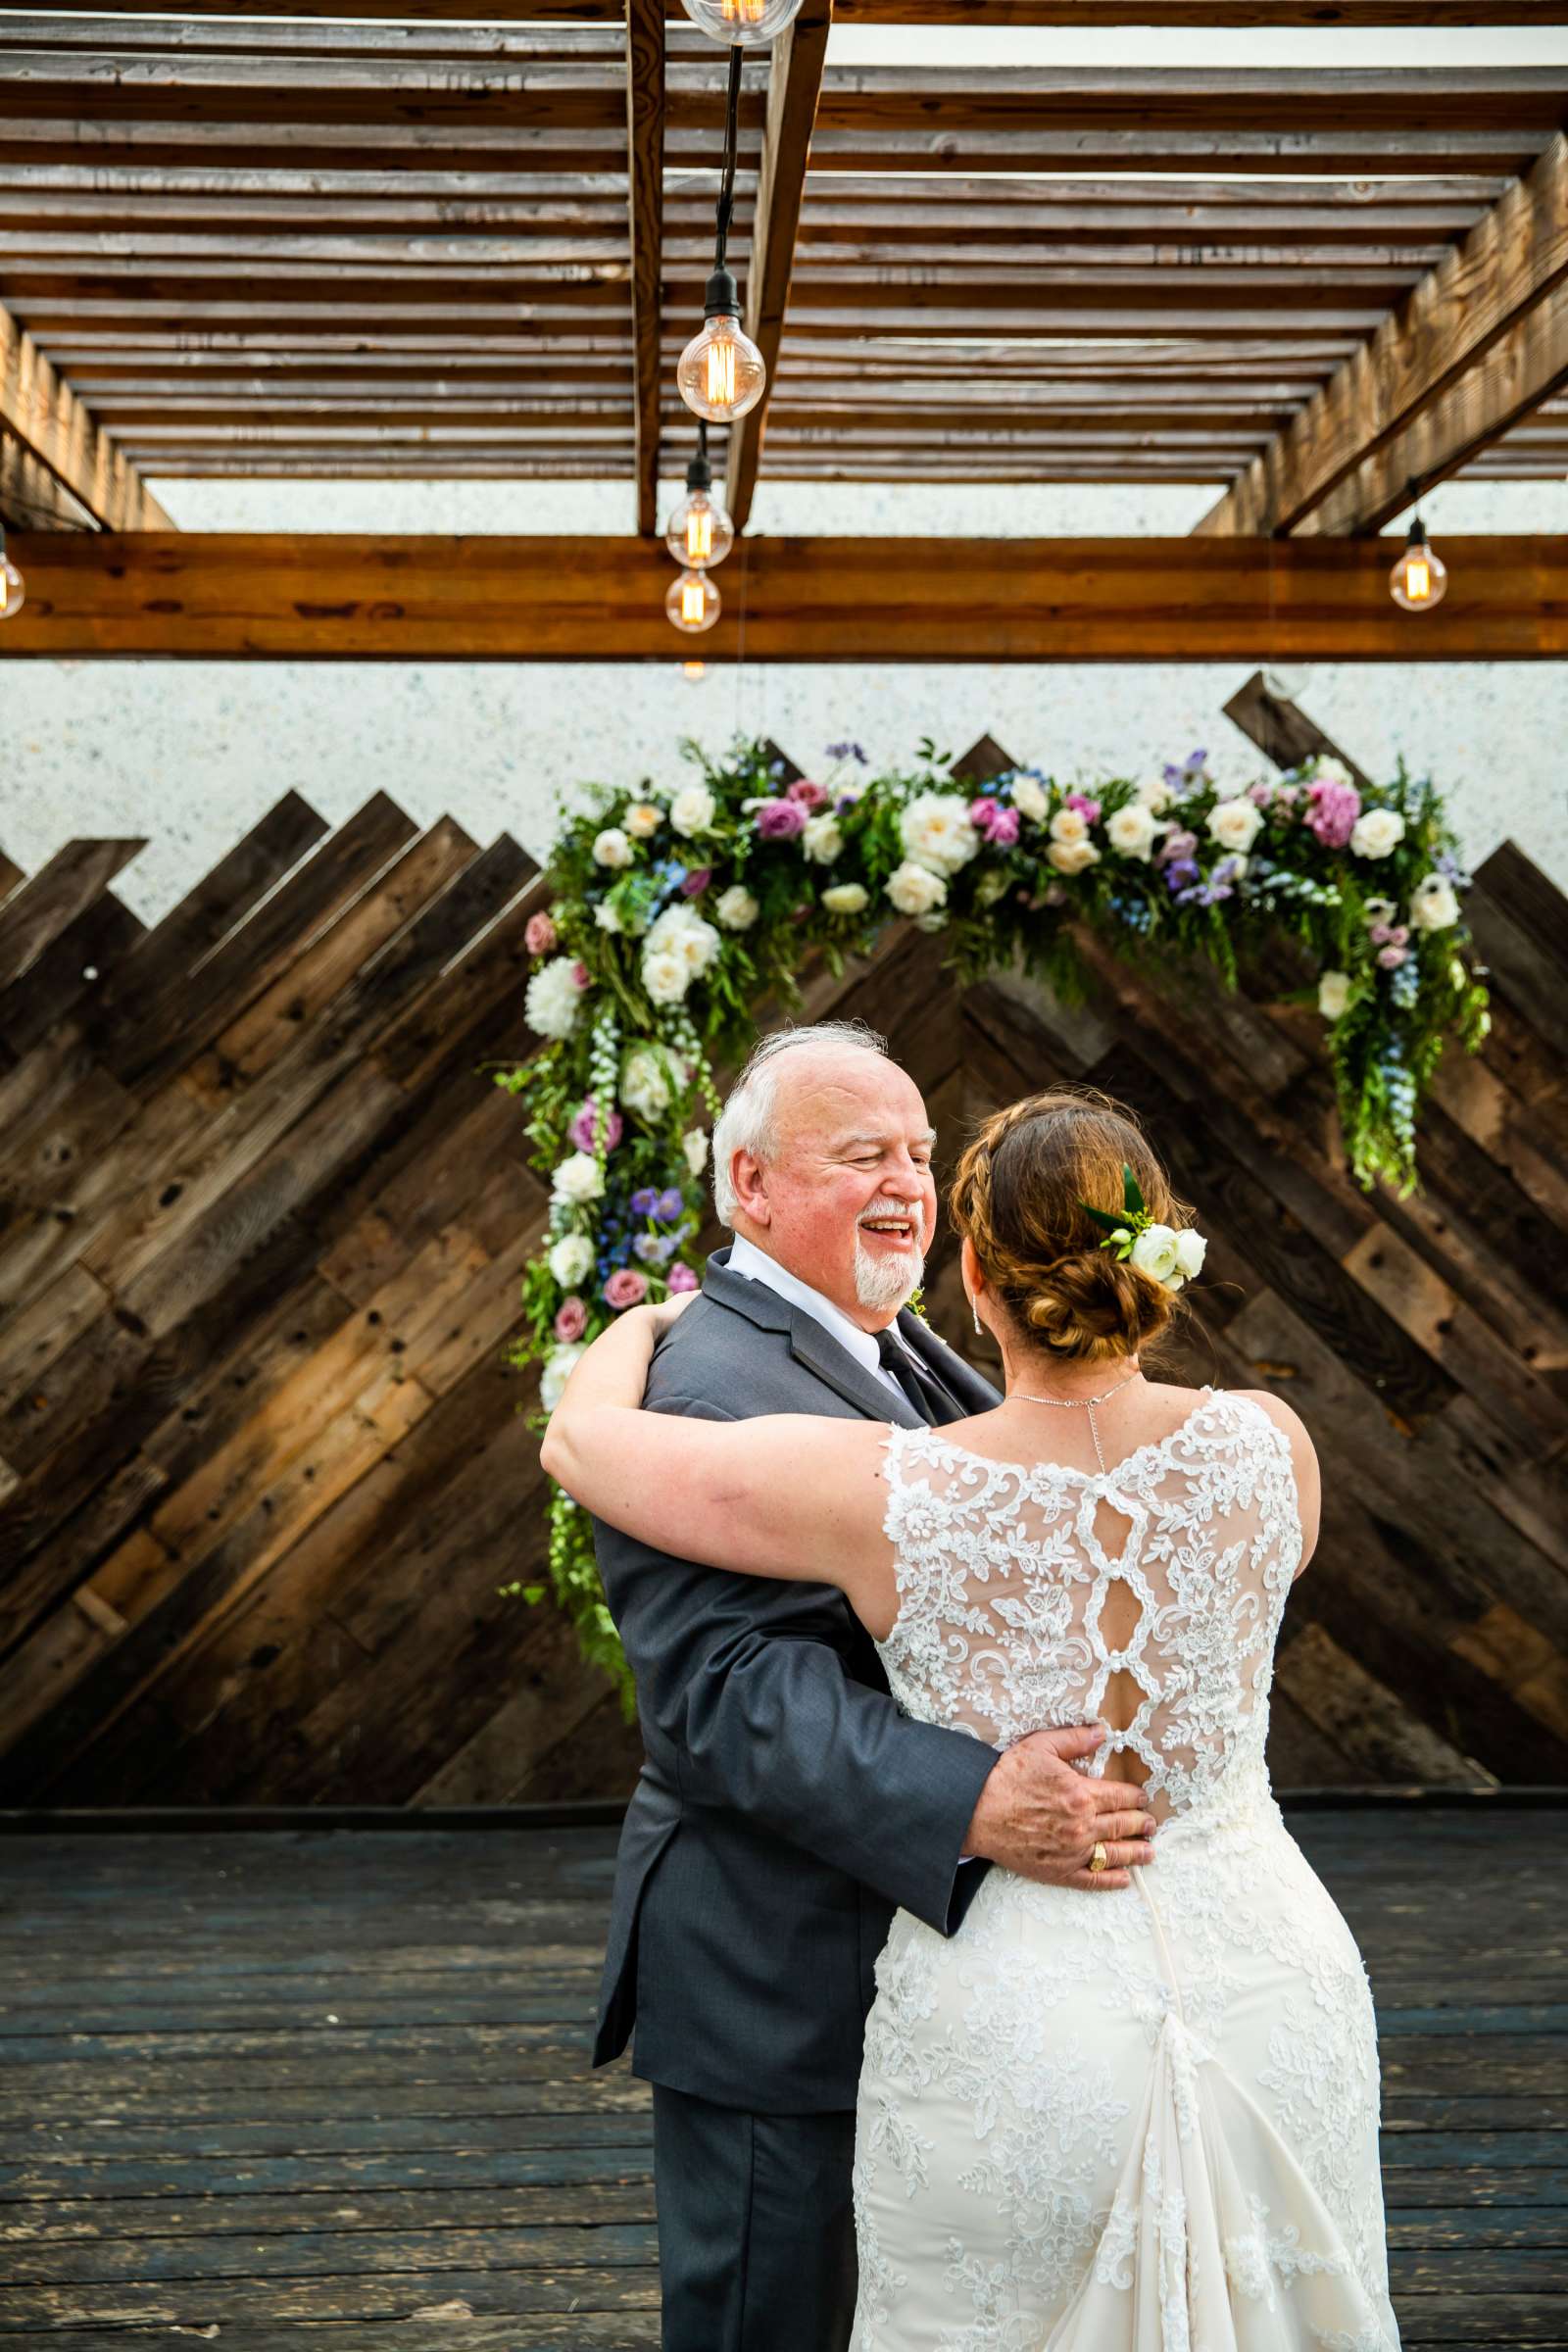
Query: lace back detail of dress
point(1014, 1616)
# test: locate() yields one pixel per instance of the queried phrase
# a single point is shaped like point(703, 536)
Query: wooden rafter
point(1480, 341)
point(793, 87)
point(1007, 599)
point(41, 414)
point(974, 14)
point(644, 183)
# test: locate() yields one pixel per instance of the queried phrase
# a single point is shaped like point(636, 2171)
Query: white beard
point(884, 1282)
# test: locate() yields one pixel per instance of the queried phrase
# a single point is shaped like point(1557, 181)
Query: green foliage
point(674, 914)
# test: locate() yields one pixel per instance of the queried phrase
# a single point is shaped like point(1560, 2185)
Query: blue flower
point(645, 1202)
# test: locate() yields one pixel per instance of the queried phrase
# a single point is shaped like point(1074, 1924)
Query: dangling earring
point(975, 1305)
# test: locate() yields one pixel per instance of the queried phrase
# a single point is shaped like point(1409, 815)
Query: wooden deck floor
point(328, 2092)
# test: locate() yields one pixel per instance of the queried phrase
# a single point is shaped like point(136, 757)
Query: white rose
point(1376, 832)
point(936, 832)
point(736, 909)
point(694, 1143)
point(554, 998)
point(1069, 824)
point(821, 840)
point(1435, 905)
point(1190, 1251)
point(693, 809)
point(612, 847)
point(1132, 829)
point(1029, 799)
point(645, 1080)
point(915, 889)
point(990, 887)
point(1071, 856)
point(846, 898)
point(1155, 1252)
point(571, 1259)
point(681, 931)
point(577, 1179)
point(644, 817)
point(605, 918)
point(1234, 824)
point(1333, 994)
point(1155, 794)
point(666, 975)
point(556, 1372)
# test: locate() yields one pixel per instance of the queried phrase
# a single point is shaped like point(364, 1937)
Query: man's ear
point(747, 1176)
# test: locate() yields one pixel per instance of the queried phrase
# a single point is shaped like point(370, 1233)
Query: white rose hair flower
point(1169, 1255)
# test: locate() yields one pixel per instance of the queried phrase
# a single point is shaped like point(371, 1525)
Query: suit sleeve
point(746, 1699)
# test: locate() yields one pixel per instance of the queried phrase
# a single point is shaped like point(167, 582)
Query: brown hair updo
point(1015, 1197)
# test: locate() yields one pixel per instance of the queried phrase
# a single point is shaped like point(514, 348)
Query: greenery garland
point(674, 914)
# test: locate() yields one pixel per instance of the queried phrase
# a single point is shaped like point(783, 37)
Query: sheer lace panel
point(1015, 1614)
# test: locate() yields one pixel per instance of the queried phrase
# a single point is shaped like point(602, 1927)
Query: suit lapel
point(971, 1388)
point(810, 1344)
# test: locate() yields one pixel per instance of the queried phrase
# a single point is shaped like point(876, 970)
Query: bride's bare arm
point(783, 1495)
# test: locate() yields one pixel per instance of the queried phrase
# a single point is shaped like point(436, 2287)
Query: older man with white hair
point(787, 1807)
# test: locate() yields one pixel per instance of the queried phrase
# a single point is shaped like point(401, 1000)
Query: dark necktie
point(934, 1403)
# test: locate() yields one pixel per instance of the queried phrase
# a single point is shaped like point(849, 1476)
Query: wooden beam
point(974, 14)
point(41, 412)
point(1477, 343)
point(832, 600)
point(1283, 732)
point(30, 498)
point(793, 90)
point(645, 187)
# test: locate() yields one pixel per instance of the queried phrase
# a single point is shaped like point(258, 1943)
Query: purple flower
point(1332, 810)
point(584, 1129)
point(781, 821)
point(671, 1205)
point(681, 1278)
point(1178, 845)
point(1087, 808)
point(1180, 872)
point(645, 1202)
point(696, 883)
point(625, 1288)
point(572, 1320)
point(846, 750)
point(1262, 795)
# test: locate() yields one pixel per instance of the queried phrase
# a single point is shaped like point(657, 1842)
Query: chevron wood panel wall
point(261, 1234)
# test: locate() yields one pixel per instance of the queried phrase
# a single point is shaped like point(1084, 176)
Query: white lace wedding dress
point(1144, 2119)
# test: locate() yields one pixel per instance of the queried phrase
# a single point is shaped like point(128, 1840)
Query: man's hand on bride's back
point(1040, 1817)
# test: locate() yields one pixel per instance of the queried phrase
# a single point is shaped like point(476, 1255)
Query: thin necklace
point(1087, 1403)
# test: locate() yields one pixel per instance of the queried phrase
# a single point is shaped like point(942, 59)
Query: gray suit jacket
point(787, 1805)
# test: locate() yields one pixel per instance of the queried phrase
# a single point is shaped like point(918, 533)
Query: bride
point(1145, 2121)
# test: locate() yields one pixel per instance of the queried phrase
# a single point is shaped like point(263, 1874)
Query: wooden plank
point(41, 411)
point(31, 498)
point(40, 909)
point(645, 189)
point(972, 13)
point(1283, 731)
point(225, 595)
point(794, 84)
point(1451, 368)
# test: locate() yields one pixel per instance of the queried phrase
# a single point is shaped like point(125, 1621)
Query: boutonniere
point(1170, 1257)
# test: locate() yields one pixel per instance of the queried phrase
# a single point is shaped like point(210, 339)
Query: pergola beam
point(58, 433)
point(645, 184)
point(481, 597)
point(1480, 341)
point(793, 92)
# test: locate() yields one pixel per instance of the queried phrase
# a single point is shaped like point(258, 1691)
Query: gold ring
point(1098, 1859)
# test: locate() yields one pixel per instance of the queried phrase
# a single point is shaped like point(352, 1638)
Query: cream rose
point(936, 832)
point(823, 840)
point(1333, 994)
point(556, 1372)
point(1154, 1251)
point(644, 817)
point(693, 809)
point(1155, 794)
point(645, 1080)
point(736, 909)
point(1435, 905)
point(1376, 832)
point(846, 898)
point(571, 1259)
point(1071, 856)
point(915, 889)
point(666, 975)
point(1234, 824)
point(1029, 799)
point(577, 1179)
point(612, 847)
point(694, 1143)
point(1069, 824)
point(1132, 829)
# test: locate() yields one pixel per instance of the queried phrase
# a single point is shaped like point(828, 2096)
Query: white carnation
point(577, 1179)
point(554, 998)
point(1132, 829)
point(612, 847)
point(1069, 824)
point(823, 840)
point(556, 1372)
point(666, 975)
point(693, 809)
point(1234, 824)
point(936, 832)
point(1376, 832)
point(736, 909)
point(1071, 856)
point(644, 817)
point(1333, 994)
point(915, 890)
point(1029, 799)
point(846, 898)
point(1435, 905)
point(1154, 1251)
point(694, 1143)
point(571, 1259)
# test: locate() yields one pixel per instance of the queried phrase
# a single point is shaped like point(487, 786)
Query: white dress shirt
point(745, 1258)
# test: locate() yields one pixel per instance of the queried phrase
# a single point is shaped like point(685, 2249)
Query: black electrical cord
point(732, 141)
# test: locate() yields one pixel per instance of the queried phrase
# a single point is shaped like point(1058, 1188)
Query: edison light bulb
point(1420, 578)
point(13, 594)
point(722, 373)
point(742, 22)
point(694, 671)
point(692, 603)
point(699, 533)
